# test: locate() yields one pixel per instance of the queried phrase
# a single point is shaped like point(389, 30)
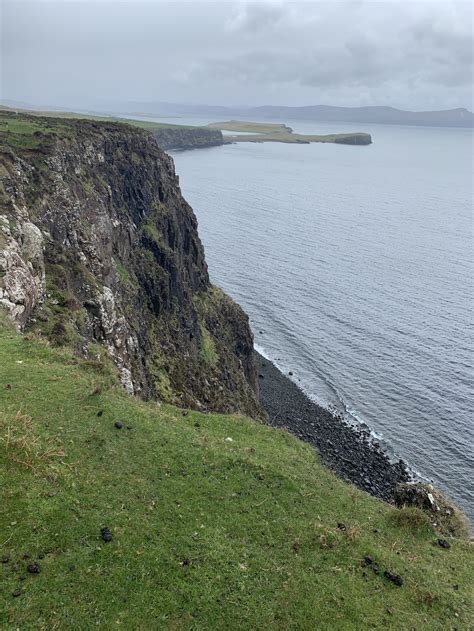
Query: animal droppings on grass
point(17, 593)
point(442, 543)
point(394, 578)
point(100, 412)
point(5, 559)
point(33, 568)
point(118, 424)
point(106, 534)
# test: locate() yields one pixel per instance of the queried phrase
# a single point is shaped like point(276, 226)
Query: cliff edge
point(99, 251)
point(170, 138)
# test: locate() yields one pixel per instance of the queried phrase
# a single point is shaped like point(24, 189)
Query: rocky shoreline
point(348, 451)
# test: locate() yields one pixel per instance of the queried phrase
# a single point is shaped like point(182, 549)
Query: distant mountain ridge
point(382, 114)
point(458, 117)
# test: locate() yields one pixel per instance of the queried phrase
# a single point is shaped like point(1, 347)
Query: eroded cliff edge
point(170, 138)
point(99, 251)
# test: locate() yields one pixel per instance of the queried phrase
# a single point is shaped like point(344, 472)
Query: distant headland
point(279, 132)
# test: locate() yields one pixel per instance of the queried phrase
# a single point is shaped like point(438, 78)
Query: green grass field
point(107, 119)
point(218, 522)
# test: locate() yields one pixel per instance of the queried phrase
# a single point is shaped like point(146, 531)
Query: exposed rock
point(22, 278)
point(445, 516)
point(187, 137)
point(99, 251)
point(415, 494)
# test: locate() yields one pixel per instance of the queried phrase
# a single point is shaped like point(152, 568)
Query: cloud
point(415, 55)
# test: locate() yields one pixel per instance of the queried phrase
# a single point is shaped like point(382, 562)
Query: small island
point(278, 132)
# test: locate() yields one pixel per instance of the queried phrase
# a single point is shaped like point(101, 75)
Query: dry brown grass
point(23, 446)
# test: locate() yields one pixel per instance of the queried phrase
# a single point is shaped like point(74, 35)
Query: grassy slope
point(209, 533)
point(275, 132)
point(108, 119)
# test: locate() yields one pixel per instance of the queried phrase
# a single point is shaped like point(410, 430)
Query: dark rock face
point(355, 139)
point(99, 250)
point(187, 137)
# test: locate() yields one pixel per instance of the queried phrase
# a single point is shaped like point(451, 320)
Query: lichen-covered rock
point(22, 278)
point(98, 247)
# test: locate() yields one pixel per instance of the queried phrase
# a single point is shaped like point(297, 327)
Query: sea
point(355, 265)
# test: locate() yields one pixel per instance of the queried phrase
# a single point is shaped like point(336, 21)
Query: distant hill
point(459, 117)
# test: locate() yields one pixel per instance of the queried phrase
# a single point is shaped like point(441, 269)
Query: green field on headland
point(217, 522)
point(277, 132)
point(151, 125)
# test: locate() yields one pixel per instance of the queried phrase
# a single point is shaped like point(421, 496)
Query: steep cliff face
point(99, 250)
point(187, 137)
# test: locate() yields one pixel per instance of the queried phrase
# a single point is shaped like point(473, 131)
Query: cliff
point(187, 137)
point(99, 251)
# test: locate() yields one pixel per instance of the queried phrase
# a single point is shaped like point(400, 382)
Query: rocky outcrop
point(354, 139)
point(187, 137)
point(99, 251)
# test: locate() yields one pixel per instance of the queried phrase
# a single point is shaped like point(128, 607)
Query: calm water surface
point(355, 265)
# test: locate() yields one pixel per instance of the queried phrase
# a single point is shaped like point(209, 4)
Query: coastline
point(348, 451)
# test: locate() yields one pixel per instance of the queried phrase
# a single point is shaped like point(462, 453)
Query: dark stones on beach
point(106, 534)
point(348, 450)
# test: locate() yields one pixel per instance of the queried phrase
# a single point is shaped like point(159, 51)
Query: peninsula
point(278, 132)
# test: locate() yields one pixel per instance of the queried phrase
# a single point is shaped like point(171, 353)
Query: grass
point(207, 347)
point(150, 125)
point(218, 522)
point(277, 132)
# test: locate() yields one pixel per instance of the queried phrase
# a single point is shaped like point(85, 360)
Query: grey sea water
point(355, 265)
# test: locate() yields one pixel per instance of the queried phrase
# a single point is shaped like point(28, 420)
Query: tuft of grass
point(22, 446)
point(207, 347)
point(412, 518)
point(217, 521)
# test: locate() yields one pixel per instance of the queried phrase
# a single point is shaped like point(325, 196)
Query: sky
point(105, 53)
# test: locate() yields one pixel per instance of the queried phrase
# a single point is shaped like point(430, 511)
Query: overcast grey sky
point(414, 55)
